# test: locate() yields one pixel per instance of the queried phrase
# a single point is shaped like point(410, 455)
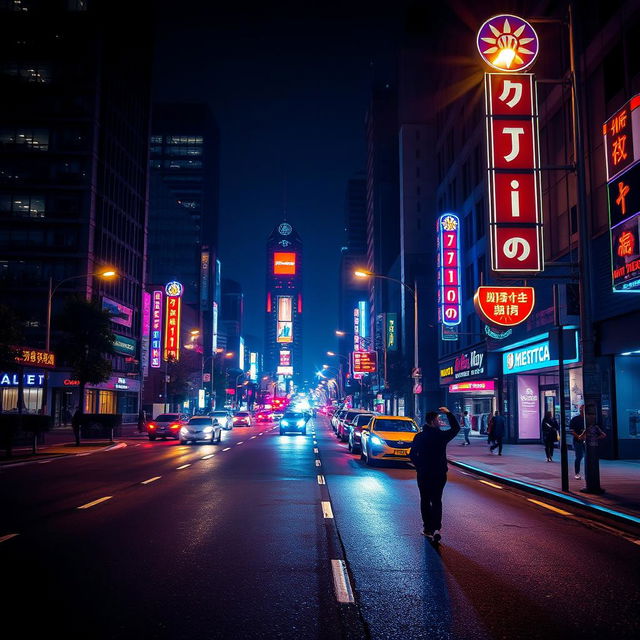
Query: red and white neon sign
point(156, 329)
point(365, 362)
point(172, 321)
point(515, 202)
point(449, 269)
point(504, 306)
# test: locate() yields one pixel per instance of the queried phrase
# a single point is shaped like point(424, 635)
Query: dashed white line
point(562, 512)
point(252, 438)
point(44, 461)
point(8, 537)
point(150, 480)
point(318, 463)
point(327, 512)
point(226, 448)
point(95, 502)
point(321, 480)
point(341, 583)
point(239, 443)
point(184, 466)
point(207, 457)
point(315, 449)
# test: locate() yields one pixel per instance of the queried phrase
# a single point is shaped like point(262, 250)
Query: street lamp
point(363, 273)
point(340, 376)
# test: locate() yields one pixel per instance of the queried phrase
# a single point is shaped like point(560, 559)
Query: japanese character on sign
point(626, 244)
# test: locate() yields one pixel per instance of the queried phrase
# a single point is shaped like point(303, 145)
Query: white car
point(201, 429)
point(224, 418)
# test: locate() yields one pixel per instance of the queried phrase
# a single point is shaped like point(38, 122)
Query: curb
point(8, 463)
point(591, 507)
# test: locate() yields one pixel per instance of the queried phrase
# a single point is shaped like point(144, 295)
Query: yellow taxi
point(387, 438)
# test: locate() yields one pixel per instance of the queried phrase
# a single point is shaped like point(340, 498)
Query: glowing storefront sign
point(364, 362)
point(539, 355)
point(145, 332)
point(504, 306)
point(285, 358)
point(36, 358)
point(360, 327)
point(467, 387)
point(173, 312)
point(156, 329)
point(284, 328)
point(507, 43)
point(284, 263)
point(449, 269)
point(515, 200)
point(28, 379)
point(622, 138)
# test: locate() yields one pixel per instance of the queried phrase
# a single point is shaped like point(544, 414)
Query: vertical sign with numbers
point(173, 291)
point(515, 202)
point(156, 329)
point(450, 305)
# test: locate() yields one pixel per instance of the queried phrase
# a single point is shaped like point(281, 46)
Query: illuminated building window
point(29, 72)
point(182, 164)
point(23, 205)
point(28, 139)
point(156, 139)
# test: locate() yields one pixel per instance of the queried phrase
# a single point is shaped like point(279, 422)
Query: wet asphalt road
point(236, 545)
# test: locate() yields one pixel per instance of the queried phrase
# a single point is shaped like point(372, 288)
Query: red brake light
point(152, 425)
point(175, 425)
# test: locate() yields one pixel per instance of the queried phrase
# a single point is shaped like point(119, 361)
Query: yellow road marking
point(95, 502)
point(150, 480)
point(491, 484)
point(562, 512)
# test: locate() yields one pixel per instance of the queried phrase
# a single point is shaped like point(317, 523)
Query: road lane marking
point(491, 484)
point(252, 438)
point(95, 502)
point(150, 480)
point(226, 448)
point(8, 537)
point(326, 509)
point(315, 449)
point(341, 583)
point(239, 443)
point(562, 512)
point(321, 480)
point(44, 461)
point(318, 463)
point(184, 466)
point(209, 456)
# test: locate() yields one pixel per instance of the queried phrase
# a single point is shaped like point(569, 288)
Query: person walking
point(466, 428)
point(576, 426)
point(142, 421)
point(429, 456)
point(498, 428)
point(550, 431)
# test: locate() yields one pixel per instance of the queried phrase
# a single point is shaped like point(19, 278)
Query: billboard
point(364, 362)
point(285, 371)
point(285, 358)
point(119, 313)
point(284, 263)
point(284, 328)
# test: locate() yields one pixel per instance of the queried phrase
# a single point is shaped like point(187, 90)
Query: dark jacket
point(550, 430)
point(429, 448)
point(498, 426)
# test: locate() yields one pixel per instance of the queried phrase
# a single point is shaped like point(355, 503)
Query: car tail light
point(152, 425)
point(175, 425)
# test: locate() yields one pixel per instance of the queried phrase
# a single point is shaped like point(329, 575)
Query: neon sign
point(504, 306)
point(515, 201)
point(449, 269)
point(364, 362)
point(172, 321)
point(507, 43)
point(156, 329)
point(284, 328)
point(284, 263)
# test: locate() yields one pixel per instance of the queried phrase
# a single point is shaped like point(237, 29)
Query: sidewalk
point(527, 463)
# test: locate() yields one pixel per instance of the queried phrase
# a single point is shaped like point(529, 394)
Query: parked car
point(387, 438)
point(201, 429)
point(224, 418)
point(242, 419)
point(264, 415)
point(166, 425)
point(336, 417)
point(342, 428)
point(293, 421)
point(355, 431)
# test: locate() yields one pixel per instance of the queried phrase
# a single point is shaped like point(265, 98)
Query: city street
point(159, 540)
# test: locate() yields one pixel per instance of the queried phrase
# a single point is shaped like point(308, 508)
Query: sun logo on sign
point(449, 223)
point(507, 43)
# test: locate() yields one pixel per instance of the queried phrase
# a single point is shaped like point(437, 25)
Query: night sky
point(289, 86)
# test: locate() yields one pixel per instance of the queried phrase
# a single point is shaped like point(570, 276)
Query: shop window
point(90, 398)
point(627, 400)
point(107, 402)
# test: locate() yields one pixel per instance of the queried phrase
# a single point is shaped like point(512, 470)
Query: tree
point(87, 339)
point(10, 337)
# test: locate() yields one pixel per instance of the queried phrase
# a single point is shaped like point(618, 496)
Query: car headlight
point(300, 423)
point(184, 430)
point(284, 423)
point(377, 440)
point(207, 430)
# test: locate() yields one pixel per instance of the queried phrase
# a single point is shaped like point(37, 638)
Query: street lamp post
point(361, 273)
point(340, 374)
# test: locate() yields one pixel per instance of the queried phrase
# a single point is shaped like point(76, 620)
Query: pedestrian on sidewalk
point(576, 426)
point(429, 456)
point(550, 431)
point(142, 421)
point(498, 428)
point(466, 428)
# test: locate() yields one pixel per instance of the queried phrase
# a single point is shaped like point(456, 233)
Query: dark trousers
point(431, 488)
point(578, 447)
point(548, 449)
point(497, 444)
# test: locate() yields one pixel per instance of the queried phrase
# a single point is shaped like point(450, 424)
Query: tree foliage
point(11, 336)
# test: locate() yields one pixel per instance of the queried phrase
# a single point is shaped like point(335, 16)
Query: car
point(293, 421)
point(336, 417)
point(342, 427)
point(355, 431)
point(166, 425)
point(387, 438)
point(224, 418)
point(201, 429)
point(242, 419)
point(264, 415)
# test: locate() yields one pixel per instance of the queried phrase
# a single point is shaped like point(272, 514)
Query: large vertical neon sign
point(156, 329)
point(449, 269)
point(173, 291)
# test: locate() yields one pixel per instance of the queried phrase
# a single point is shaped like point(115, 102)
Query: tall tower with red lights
point(284, 305)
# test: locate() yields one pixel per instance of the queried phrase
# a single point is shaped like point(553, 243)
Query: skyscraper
point(74, 131)
point(283, 330)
